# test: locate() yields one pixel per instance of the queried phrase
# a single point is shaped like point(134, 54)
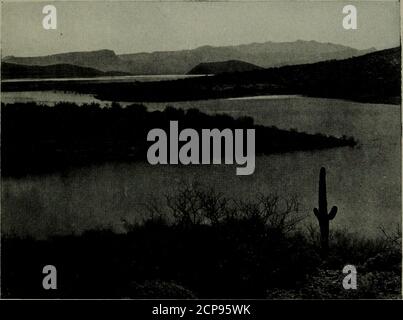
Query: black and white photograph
point(201, 150)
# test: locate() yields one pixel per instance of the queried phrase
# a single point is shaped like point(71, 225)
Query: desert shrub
point(212, 247)
point(380, 253)
point(244, 245)
point(185, 205)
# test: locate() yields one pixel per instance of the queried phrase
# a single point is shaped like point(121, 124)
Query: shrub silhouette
point(252, 248)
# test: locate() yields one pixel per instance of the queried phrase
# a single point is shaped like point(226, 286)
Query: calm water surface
point(364, 182)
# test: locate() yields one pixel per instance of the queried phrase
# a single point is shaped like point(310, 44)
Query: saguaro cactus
point(322, 215)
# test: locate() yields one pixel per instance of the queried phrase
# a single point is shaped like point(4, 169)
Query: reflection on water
point(363, 182)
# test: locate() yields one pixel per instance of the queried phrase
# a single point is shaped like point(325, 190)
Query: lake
point(141, 78)
point(364, 182)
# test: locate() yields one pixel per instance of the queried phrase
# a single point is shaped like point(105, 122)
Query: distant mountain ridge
point(374, 77)
point(223, 66)
point(102, 60)
point(268, 54)
point(19, 71)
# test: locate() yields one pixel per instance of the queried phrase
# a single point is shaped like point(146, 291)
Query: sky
point(131, 26)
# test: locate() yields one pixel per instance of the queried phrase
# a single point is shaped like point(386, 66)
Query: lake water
point(142, 78)
point(364, 182)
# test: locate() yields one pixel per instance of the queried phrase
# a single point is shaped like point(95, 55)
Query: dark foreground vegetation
point(374, 77)
point(200, 244)
point(38, 139)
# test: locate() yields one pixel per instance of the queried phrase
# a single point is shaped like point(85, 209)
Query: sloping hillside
point(17, 71)
point(374, 76)
point(223, 67)
point(102, 60)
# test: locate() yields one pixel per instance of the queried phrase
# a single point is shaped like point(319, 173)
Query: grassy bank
point(201, 244)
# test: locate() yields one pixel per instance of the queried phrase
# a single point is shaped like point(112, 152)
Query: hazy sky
point(128, 27)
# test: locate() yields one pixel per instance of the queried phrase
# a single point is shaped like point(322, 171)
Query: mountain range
point(20, 71)
point(264, 55)
point(373, 77)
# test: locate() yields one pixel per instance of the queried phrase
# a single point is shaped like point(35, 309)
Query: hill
point(268, 54)
point(17, 71)
point(222, 67)
point(102, 60)
point(374, 77)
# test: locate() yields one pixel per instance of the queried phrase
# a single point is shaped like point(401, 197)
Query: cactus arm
point(332, 213)
point(316, 212)
point(322, 190)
